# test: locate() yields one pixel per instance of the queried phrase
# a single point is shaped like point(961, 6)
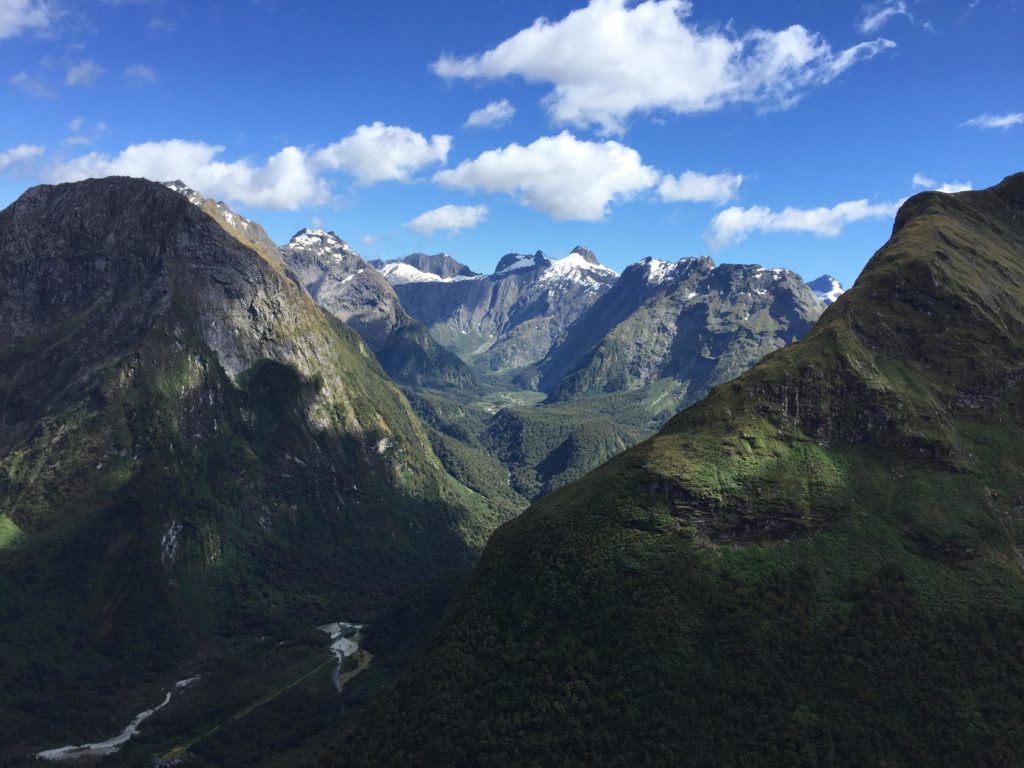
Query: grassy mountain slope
point(819, 564)
point(189, 449)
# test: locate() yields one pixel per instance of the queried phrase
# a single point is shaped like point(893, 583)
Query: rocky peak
point(440, 264)
point(318, 239)
point(512, 262)
point(586, 253)
point(826, 288)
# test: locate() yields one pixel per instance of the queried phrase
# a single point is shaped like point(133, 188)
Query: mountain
point(349, 288)
point(511, 318)
point(826, 288)
point(191, 453)
point(818, 564)
point(439, 265)
point(692, 322)
point(655, 339)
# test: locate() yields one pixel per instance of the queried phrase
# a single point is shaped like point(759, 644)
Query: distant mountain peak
point(319, 240)
point(826, 288)
point(440, 264)
point(512, 262)
point(586, 253)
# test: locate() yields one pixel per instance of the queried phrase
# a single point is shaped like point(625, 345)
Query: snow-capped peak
point(399, 273)
point(512, 262)
point(577, 268)
point(658, 271)
point(320, 242)
point(826, 288)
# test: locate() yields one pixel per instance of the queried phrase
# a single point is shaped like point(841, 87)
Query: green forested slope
point(818, 565)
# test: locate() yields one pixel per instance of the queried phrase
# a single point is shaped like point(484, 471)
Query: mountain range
point(211, 444)
point(818, 564)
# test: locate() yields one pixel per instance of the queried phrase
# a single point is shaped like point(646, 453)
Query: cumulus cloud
point(449, 217)
point(33, 86)
point(288, 180)
point(18, 16)
point(692, 187)
point(559, 175)
point(996, 121)
point(877, 15)
point(494, 115)
point(733, 225)
point(380, 152)
point(614, 58)
point(139, 74)
point(84, 73)
point(19, 154)
point(949, 187)
point(284, 181)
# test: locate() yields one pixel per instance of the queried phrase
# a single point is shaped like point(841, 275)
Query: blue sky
point(775, 133)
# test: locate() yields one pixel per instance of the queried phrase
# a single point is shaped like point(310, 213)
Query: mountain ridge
point(817, 564)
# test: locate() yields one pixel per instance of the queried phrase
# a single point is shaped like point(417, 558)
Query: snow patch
point(399, 273)
point(659, 271)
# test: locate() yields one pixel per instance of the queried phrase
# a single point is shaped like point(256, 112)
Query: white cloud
point(19, 154)
point(285, 181)
point(34, 87)
point(84, 73)
point(288, 180)
point(450, 217)
point(559, 175)
point(877, 15)
point(380, 152)
point(693, 187)
point(494, 115)
point(996, 121)
point(76, 125)
point(614, 58)
point(949, 187)
point(139, 74)
point(734, 224)
point(17, 16)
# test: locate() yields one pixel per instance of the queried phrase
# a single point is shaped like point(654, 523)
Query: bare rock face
point(511, 318)
point(341, 282)
point(691, 321)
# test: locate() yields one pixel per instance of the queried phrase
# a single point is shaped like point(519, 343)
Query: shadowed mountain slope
point(189, 448)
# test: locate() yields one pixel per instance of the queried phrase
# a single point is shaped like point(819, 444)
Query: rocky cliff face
point(818, 564)
point(690, 321)
point(350, 289)
point(189, 446)
point(342, 283)
point(440, 264)
point(513, 317)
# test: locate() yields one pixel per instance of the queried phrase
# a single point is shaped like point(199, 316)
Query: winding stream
point(110, 746)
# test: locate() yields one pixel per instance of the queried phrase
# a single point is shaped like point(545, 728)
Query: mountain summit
point(818, 564)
